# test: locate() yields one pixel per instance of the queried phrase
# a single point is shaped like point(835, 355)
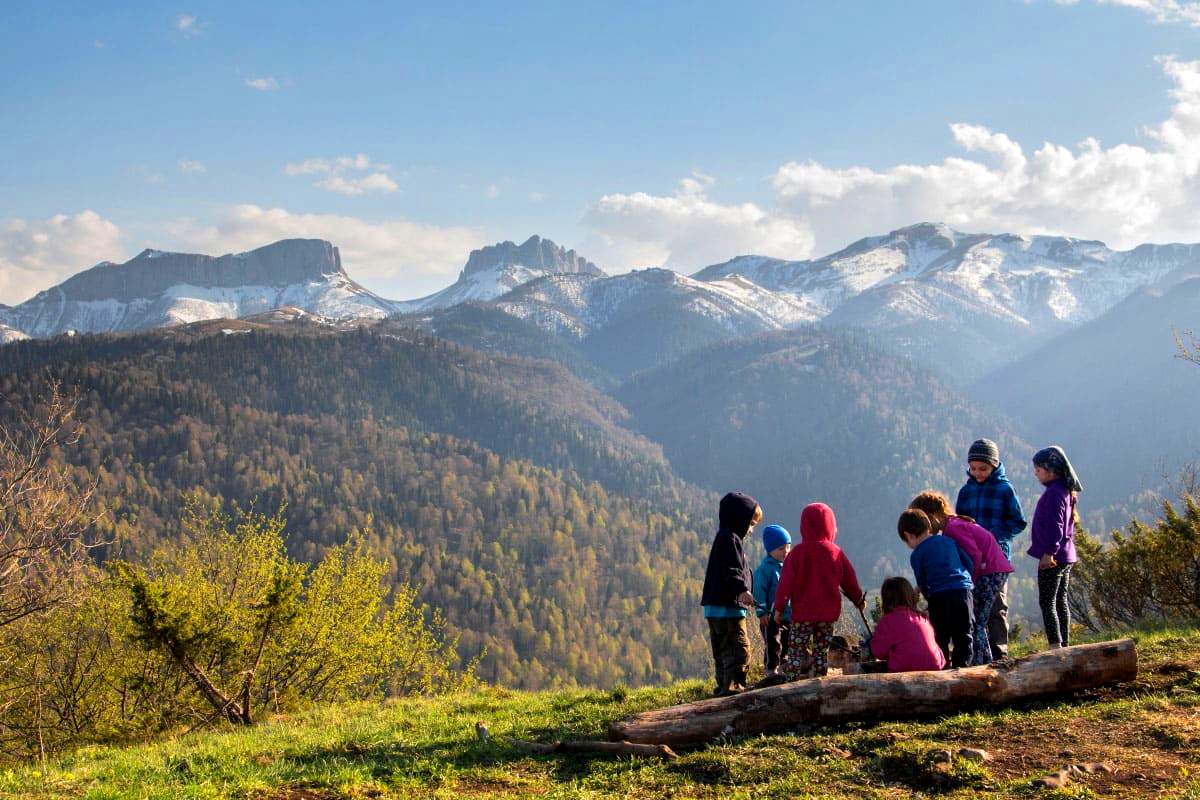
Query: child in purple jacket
point(1053, 533)
point(991, 566)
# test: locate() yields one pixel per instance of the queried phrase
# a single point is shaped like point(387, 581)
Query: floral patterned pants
point(807, 650)
point(987, 588)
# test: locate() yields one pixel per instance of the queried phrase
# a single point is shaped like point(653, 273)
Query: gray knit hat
point(984, 450)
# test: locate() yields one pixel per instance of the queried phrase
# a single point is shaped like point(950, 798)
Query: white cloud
point(189, 167)
point(687, 230)
point(189, 25)
point(398, 258)
point(492, 192)
point(265, 84)
point(375, 182)
point(150, 176)
point(1124, 194)
point(98, 44)
point(36, 254)
point(1185, 11)
point(339, 181)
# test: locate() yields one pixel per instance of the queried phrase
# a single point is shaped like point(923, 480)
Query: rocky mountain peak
point(535, 253)
point(152, 272)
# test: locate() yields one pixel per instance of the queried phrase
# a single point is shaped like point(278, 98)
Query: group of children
point(960, 560)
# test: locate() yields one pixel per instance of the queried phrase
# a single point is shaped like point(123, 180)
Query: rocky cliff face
point(157, 288)
point(493, 271)
point(153, 272)
point(535, 253)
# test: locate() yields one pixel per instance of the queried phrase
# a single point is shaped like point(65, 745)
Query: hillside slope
point(421, 748)
point(503, 489)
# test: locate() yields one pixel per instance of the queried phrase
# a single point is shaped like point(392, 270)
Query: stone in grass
point(1055, 780)
point(941, 756)
point(974, 754)
point(1091, 769)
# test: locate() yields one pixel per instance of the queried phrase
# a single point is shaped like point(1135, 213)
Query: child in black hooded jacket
point(726, 597)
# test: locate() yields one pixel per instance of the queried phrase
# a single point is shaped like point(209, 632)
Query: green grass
point(427, 748)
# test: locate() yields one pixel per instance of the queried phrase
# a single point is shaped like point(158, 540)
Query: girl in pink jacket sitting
point(904, 638)
point(992, 568)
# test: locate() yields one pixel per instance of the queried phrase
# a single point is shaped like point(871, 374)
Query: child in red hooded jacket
point(815, 575)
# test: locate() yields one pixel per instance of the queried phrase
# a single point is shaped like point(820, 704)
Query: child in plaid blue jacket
point(988, 498)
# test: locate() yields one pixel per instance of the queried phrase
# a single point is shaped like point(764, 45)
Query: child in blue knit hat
point(777, 542)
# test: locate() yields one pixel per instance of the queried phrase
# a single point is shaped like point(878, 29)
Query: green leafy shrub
point(224, 625)
point(1148, 573)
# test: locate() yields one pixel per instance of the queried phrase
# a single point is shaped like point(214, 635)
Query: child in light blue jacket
point(777, 542)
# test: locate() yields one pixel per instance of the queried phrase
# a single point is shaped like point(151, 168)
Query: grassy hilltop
point(1149, 729)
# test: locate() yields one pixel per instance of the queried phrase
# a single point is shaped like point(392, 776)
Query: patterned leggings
point(987, 588)
point(1053, 584)
point(807, 650)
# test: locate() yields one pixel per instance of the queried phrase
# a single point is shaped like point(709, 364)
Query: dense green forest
point(556, 543)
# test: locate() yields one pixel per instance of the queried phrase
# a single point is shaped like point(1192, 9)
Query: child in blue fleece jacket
point(943, 573)
point(777, 542)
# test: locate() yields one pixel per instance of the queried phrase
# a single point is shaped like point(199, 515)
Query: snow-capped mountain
point(581, 305)
point(493, 271)
point(930, 271)
point(157, 289)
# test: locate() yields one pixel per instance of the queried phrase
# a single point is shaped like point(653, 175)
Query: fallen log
point(843, 698)
point(618, 748)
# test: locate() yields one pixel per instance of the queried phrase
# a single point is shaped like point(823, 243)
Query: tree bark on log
point(843, 698)
point(619, 748)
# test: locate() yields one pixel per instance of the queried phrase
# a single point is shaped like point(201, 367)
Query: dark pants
point(997, 624)
point(731, 650)
point(1053, 584)
point(952, 615)
point(775, 638)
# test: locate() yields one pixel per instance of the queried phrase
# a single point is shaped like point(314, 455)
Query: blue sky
point(668, 133)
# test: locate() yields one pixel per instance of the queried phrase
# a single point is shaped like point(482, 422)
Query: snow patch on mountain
point(1031, 280)
point(8, 334)
point(578, 305)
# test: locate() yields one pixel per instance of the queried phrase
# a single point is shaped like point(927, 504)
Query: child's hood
point(737, 510)
point(817, 524)
point(998, 476)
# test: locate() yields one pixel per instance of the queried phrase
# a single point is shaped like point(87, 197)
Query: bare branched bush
point(45, 516)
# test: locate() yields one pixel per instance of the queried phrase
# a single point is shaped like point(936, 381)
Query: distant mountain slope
point(525, 409)
point(647, 317)
point(158, 289)
point(808, 415)
point(492, 271)
point(1113, 394)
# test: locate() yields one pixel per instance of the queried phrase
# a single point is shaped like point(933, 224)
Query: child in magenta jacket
point(815, 575)
point(991, 566)
point(904, 638)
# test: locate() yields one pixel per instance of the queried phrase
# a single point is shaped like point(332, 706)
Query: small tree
point(44, 514)
point(249, 627)
point(1188, 346)
point(1146, 573)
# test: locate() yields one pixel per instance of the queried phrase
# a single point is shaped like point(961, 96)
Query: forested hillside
point(807, 415)
point(502, 489)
